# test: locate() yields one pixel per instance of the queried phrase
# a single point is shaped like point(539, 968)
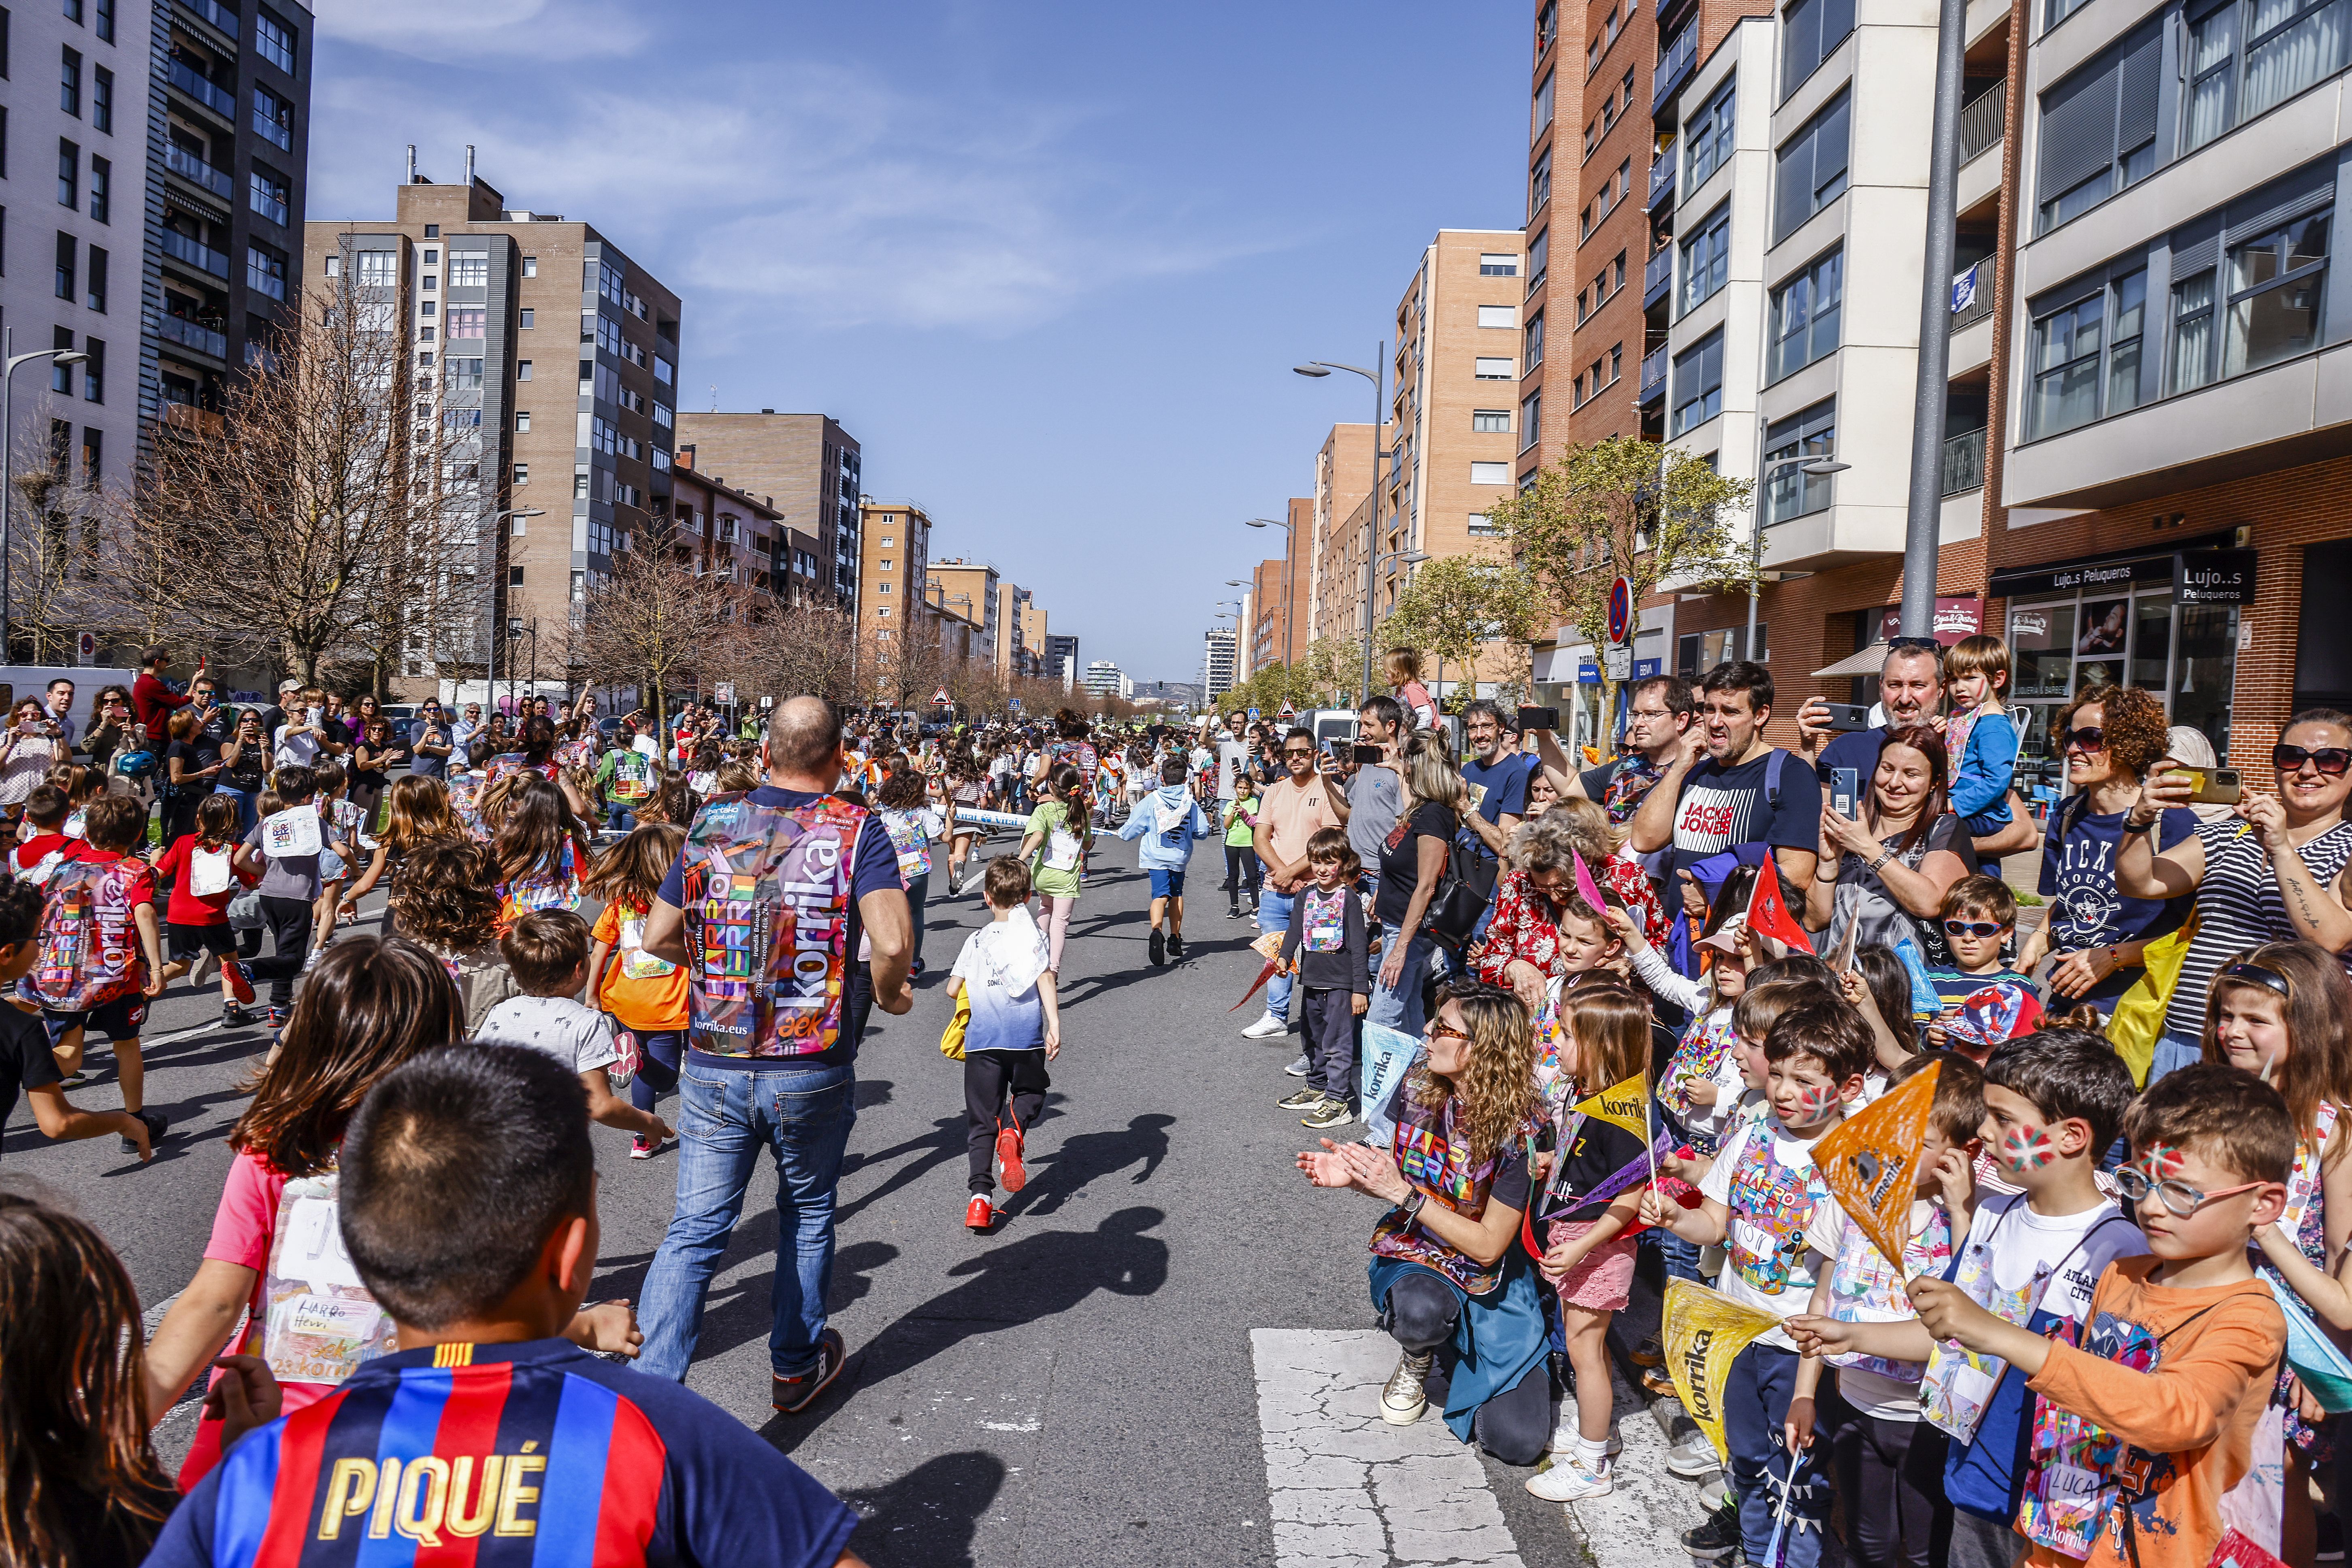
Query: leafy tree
point(1457, 604)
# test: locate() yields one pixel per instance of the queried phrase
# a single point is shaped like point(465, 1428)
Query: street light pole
point(1378, 376)
point(1289, 544)
point(1923, 511)
point(7, 469)
point(490, 671)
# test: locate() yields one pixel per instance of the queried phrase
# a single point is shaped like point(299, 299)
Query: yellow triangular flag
point(1870, 1161)
point(1703, 1331)
point(1623, 1105)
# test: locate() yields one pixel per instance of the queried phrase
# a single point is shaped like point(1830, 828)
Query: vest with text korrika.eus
point(766, 901)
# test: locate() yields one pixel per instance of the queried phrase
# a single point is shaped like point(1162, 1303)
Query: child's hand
point(1562, 1256)
point(1857, 993)
point(1700, 1091)
point(247, 1396)
point(1814, 1335)
point(1946, 1311)
point(1360, 1004)
point(1799, 1426)
point(1655, 1209)
point(1629, 929)
point(1053, 1039)
point(1955, 1179)
point(664, 1133)
point(1936, 1035)
point(610, 1326)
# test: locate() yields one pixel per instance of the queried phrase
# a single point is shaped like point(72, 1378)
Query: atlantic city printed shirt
point(501, 1456)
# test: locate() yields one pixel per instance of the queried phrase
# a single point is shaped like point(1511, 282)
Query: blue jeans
point(2174, 1050)
point(1399, 1008)
point(803, 1115)
point(1274, 915)
point(246, 813)
point(619, 818)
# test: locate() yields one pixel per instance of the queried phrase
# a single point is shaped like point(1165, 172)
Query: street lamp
point(1318, 368)
point(1818, 468)
point(1288, 542)
point(7, 455)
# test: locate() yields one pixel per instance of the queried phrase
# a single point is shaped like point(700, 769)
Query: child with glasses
point(1981, 1000)
point(2146, 1408)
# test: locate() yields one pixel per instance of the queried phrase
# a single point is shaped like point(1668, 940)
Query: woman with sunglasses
point(2109, 735)
point(2275, 873)
point(1887, 868)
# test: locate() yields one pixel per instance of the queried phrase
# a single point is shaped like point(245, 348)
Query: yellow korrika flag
point(1703, 1331)
point(1623, 1105)
point(1870, 1161)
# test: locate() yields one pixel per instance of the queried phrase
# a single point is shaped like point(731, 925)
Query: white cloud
point(477, 31)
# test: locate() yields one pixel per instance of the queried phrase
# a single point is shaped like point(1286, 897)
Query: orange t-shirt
point(1293, 815)
point(642, 992)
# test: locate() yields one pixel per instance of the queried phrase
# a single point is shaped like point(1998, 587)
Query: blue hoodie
point(1170, 850)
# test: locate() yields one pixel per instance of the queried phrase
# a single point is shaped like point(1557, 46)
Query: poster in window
point(2105, 624)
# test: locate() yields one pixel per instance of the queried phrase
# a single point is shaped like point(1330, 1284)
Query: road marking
point(1348, 1489)
point(1640, 1523)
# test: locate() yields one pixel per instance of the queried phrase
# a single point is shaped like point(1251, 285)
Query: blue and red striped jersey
point(501, 1456)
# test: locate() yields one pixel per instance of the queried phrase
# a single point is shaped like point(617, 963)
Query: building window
point(2275, 283)
point(273, 119)
point(265, 271)
point(1804, 320)
point(462, 374)
point(1498, 266)
point(1530, 421)
point(1706, 257)
point(1538, 253)
point(101, 190)
point(1482, 526)
point(1811, 168)
point(2290, 45)
point(1710, 134)
point(1698, 383)
point(1540, 184)
point(69, 83)
point(1619, 270)
point(96, 298)
point(68, 174)
point(273, 40)
point(1534, 341)
point(2098, 129)
point(522, 370)
point(93, 370)
point(530, 266)
point(1497, 369)
point(268, 194)
point(465, 323)
point(379, 269)
point(65, 266)
point(1810, 437)
point(469, 269)
point(1543, 108)
point(2087, 356)
point(1490, 473)
point(101, 100)
point(1810, 31)
point(1503, 316)
point(1491, 421)
point(93, 450)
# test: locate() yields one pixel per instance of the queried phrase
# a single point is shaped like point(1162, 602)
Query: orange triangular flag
point(1768, 913)
point(1870, 1161)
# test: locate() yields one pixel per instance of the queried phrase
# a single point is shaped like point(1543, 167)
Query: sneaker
point(1158, 947)
point(273, 1016)
point(1403, 1398)
point(1330, 1113)
point(1015, 1175)
point(1175, 945)
point(156, 1121)
point(1715, 1539)
point(1299, 1099)
point(1267, 1027)
point(240, 985)
point(795, 1394)
point(1564, 1437)
point(1235, 913)
point(1567, 1480)
point(1693, 1457)
point(977, 1214)
point(1650, 1352)
point(641, 1147)
point(1298, 1067)
point(2330, 1540)
point(236, 1018)
point(1716, 1493)
point(1658, 1384)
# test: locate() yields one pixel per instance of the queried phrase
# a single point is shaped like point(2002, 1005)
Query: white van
point(19, 680)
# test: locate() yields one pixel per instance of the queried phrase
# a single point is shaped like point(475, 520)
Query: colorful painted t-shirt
point(1701, 1052)
point(466, 799)
point(912, 834)
point(1866, 1288)
point(1784, 1225)
point(1327, 920)
point(1438, 1163)
point(555, 887)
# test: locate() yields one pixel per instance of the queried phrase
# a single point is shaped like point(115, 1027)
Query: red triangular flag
point(1768, 913)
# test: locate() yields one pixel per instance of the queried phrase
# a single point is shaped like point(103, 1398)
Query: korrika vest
point(767, 895)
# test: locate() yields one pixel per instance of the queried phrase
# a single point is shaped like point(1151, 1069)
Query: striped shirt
point(2240, 906)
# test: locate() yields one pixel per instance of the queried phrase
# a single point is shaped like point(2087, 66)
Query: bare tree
point(52, 532)
point(656, 623)
point(791, 650)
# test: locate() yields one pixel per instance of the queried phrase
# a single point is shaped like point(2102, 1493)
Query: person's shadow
point(927, 1516)
point(1083, 1156)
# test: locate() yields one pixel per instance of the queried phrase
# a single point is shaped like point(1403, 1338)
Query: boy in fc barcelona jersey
point(468, 1208)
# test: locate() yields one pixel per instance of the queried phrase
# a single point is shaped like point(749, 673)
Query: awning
point(1867, 661)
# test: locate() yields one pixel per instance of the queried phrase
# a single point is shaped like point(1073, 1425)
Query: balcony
point(263, 281)
point(1658, 276)
point(1676, 65)
point(1972, 295)
point(1982, 120)
point(269, 206)
point(1654, 375)
point(267, 129)
point(1963, 462)
point(1662, 175)
point(195, 171)
point(181, 248)
point(219, 100)
point(225, 20)
point(190, 420)
point(192, 334)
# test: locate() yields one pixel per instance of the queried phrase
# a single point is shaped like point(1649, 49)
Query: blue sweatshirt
point(1172, 850)
point(1982, 776)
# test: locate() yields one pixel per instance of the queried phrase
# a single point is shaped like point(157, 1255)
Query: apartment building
point(894, 582)
point(971, 588)
point(223, 138)
point(739, 537)
point(1218, 650)
point(1340, 531)
point(584, 440)
point(1104, 679)
point(1017, 658)
point(1269, 620)
point(812, 468)
point(1062, 660)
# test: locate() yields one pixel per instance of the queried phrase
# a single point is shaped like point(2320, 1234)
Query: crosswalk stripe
point(1640, 1523)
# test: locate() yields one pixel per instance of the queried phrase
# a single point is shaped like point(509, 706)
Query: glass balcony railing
point(218, 15)
point(188, 167)
point(218, 100)
point(192, 334)
point(1676, 66)
point(1654, 374)
point(1657, 276)
point(195, 254)
point(1662, 175)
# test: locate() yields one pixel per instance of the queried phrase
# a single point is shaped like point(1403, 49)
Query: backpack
point(767, 903)
point(88, 952)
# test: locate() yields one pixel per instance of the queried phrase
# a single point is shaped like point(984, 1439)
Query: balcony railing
point(1981, 122)
point(188, 167)
point(1963, 462)
point(213, 98)
point(226, 20)
point(269, 206)
point(1657, 276)
point(1662, 175)
point(262, 281)
point(1675, 69)
point(195, 254)
point(269, 129)
point(1654, 374)
point(1972, 295)
point(192, 334)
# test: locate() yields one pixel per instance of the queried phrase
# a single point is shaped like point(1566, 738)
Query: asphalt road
point(1117, 1374)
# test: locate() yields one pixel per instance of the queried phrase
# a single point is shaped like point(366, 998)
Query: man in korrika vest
point(764, 909)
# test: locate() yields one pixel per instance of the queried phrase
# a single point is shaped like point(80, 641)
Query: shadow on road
point(929, 1515)
point(1078, 1159)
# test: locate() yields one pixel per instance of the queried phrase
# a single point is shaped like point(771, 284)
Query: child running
point(1015, 1028)
point(547, 952)
point(102, 959)
point(541, 848)
point(202, 867)
point(1054, 843)
point(645, 995)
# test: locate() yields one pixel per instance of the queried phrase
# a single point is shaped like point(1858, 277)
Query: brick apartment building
point(895, 543)
point(972, 589)
point(737, 535)
point(811, 466)
point(1342, 531)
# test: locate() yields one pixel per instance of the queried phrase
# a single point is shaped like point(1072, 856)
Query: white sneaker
point(1404, 1397)
point(1569, 1481)
point(1266, 1028)
point(1714, 1494)
point(1564, 1437)
point(1693, 1458)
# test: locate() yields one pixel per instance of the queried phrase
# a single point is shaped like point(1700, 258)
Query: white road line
point(1639, 1524)
point(1348, 1489)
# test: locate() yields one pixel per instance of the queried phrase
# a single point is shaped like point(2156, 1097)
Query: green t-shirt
point(1241, 827)
point(1061, 854)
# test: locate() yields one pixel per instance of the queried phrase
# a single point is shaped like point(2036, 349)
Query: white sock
point(1592, 1453)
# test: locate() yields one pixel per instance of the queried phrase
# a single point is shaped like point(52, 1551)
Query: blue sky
point(1049, 263)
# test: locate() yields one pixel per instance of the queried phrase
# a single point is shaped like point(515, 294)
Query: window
point(69, 83)
point(273, 119)
point(1533, 342)
point(2087, 356)
point(469, 269)
point(1804, 319)
point(265, 271)
point(1491, 421)
point(522, 422)
point(1584, 225)
point(432, 280)
point(1698, 383)
point(1710, 134)
point(1811, 30)
point(4, 141)
point(1811, 168)
point(1807, 438)
point(465, 323)
point(101, 190)
point(424, 360)
point(1490, 473)
point(101, 100)
point(379, 269)
point(1620, 269)
point(1496, 369)
point(93, 446)
point(2098, 129)
point(93, 370)
point(2276, 282)
point(1530, 421)
point(522, 370)
point(1543, 107)
point(530, 319)
point(1616, 361)
point(61, 375)
point(521, 476)
point(65, 266)
point(461, 419)
point(530, 266)
point(1504, 316)
point(1503, 266)
point(96, 298)
point(68, 174)
point(3, 43)
point(273, 40)
point(462, 374)
point(73, 12)
point(1538, 253)
point(1540, 184)
point(1625, 180)
point(1706, 257)
point(1583, 308)
point(106, 20)
point(2289, 45)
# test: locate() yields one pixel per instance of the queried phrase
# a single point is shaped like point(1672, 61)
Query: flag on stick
point(1768, 913)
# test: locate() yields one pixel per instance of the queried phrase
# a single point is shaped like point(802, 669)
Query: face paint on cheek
point(2027, 1149)
point(1814, 1099)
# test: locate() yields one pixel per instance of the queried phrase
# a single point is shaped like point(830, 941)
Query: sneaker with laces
point(1158, 947)
point(1269, 1027)
point(1716, 1538)
point(236, 1018)
point(1299, 1099)
point(1693, 1458)
point(793, 1394)
point(977, 1214)
point(1567, 1480)
point(641, 1147)
point(240, 985)
point(1331, 1112)
point(1298, 1069)
point(1405, 1395)
point(1015, 1175)
point(1175, 945)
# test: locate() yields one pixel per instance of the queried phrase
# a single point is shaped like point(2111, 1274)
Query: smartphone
point(2209, 786)
point(1539, 718)
point(1367, 754)
point(1845, 790)
point(1848, 716)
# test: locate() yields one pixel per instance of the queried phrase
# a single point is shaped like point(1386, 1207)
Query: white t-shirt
point(2023, 1242)
point(1233, 756)
point(290, 749)
point(998, 965)
point(1784, 1225)
point(573, 1033)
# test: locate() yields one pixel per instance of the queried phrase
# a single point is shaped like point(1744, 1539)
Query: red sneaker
point(977, 1214)
point(239, 986)
point(1008, 1154)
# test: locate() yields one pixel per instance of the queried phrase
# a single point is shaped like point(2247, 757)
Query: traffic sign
point(942, 699)
point(1253, 715)
point(1289, 711)
point(85, 648)
point(724, 694)
point(1618, 662)
point(1620, 611)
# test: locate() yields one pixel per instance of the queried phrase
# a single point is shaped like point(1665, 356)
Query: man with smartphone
point(1498, 777)
point(1368, 806)
point(1911, 690)
point(1725, 787)
point(152, 697)
point(1657, 715)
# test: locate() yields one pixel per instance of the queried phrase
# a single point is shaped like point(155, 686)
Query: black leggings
point(288, 921)
point(990, 1078)
point(1241, 872)
point(1513, 1424)
point(1891, 1476)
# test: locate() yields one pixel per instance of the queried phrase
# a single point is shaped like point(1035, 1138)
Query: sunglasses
point(1293, 751)
point(1972, 928)
point(2179, 1197)
point(2332, 761)
point(1447, 1032)
point(2089, 738)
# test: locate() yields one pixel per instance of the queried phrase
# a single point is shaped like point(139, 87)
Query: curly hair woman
point(2110, 735)
point(1445, 1274)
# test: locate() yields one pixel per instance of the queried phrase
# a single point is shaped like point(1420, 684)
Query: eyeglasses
point(2179, 1197)
point(1972, 928)
point(2259, 974)
point(2332, 761)
point(2089, 738)
point(1447, 1032)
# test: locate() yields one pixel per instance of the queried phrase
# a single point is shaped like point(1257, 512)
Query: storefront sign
point(2093, 578)
point(1955, 619)
point(1589, 674)
point(2215, 577)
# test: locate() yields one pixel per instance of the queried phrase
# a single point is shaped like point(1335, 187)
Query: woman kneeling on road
point(1451, 1283)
